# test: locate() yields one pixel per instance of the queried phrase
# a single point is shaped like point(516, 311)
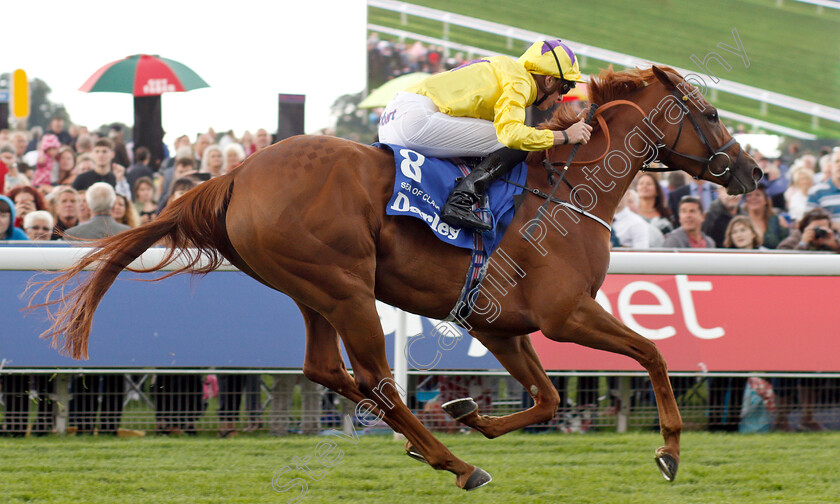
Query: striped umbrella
point(143, 75)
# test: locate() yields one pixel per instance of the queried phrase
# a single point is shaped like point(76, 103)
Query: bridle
point(705, 162)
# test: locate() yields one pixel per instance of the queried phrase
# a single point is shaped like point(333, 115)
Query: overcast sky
point(247, 51)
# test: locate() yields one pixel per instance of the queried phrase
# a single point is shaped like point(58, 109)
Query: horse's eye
point(712, 116)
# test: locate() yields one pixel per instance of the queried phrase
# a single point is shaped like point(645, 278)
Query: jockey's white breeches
point(414, 121)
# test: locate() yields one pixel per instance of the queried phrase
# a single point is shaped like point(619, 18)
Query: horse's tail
point(192, 229)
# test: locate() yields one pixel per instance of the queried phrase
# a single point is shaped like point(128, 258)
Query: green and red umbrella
point(143, 75)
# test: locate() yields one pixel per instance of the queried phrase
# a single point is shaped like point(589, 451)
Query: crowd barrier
point(712, 314)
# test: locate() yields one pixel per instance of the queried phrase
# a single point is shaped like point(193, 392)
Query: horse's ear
point(664, 77)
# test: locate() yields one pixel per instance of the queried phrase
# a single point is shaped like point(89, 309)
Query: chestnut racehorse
point(307, 217)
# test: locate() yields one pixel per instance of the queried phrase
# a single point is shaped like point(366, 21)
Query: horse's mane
point(607, 86)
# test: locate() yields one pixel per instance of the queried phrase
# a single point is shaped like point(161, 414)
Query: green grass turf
point(591, 468)
point(791, 49)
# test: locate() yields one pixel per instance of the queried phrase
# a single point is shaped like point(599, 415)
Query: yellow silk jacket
point(496, 89)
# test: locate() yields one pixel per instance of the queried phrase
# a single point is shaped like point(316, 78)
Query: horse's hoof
point(415, 454)
point(667, 465)
point(459, 408)
point(477, 479)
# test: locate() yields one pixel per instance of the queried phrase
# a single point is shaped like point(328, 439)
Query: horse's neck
point(614, 177)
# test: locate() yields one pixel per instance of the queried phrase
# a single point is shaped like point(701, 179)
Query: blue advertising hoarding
point(225, 319)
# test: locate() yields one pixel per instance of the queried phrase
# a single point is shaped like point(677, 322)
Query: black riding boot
point(458, 209)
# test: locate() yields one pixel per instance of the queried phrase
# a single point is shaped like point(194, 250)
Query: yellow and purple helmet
point(552, 57)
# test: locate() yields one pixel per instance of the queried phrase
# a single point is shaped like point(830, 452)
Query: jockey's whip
point(542, 209)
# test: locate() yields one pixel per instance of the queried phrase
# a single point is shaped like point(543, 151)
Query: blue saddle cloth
point(422, 185)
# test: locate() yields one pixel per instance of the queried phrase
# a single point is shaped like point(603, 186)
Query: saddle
point(422, 184)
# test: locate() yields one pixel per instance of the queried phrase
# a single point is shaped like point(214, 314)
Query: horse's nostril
point(757, 174)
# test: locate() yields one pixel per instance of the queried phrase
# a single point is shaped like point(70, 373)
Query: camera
point(820, 233)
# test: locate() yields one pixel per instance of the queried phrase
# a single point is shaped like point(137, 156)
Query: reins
point(549, 166)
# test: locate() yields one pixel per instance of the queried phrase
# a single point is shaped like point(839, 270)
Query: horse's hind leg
point(323, 363)
point(590, 325)
point(519, 358)
point(357, 322)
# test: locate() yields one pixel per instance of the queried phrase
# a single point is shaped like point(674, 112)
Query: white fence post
point(400, 359)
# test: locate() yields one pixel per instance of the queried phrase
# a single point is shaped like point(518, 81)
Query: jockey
point(479, 109)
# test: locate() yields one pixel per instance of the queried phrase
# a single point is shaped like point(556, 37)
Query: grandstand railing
point(815, 110)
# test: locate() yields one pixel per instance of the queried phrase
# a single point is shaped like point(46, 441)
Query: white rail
point(675, 262)
point(472, 50)
point(761, 95)
point(831, 4)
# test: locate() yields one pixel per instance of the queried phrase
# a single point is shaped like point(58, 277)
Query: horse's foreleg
point(591, 326)
point(358, 324)
point(323, 363)
point(519, 358)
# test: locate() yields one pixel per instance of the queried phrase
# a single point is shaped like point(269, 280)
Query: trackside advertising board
point(717, 323)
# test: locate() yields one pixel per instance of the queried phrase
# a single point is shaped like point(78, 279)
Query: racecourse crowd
point(61, 183)
point(796, 207)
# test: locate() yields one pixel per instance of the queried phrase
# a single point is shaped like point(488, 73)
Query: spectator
point(740, 234)
point(183, 167)
point(821, 168)
point(73, 130)
point(652, 206)
point(103, 154)
point(827, 194)
point(182, 142)
point(144, 203)
point(106, 392)
point(212, 162)
point(57, 129)
point(699, 188)
point(775, 182)
point(16, 395)
point(234, 155)
point(140, 168)
point(100, 198)
point(30, 157)
point(689, 234)
point(676, 179)
point(202, 141)
point(772, 228)
point(26, 199)
point(725, 400)
point(282, 396)
point(261, 139)
point(178, 403)
point(796, 196)
point(18, 140)
point(723, 209)
point(45, 168)
point(84, 210)
point(8, 231)
point(38, 225)
point(630, 228)
point(124, 212)
point(84, 163)
point(65, 202)
point(120, 157)
point(84, 144)
point(10, 170)
point(784, 389)
point(169, 174)
point(813, 233)
point(65, 174)
point(247, 143)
